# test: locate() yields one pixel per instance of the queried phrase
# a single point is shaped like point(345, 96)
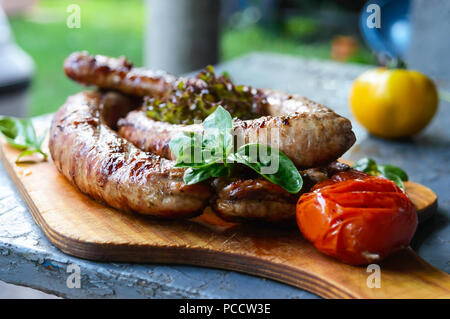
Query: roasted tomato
point(357, 218)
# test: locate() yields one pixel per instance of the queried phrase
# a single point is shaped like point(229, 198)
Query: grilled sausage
point(309, 133)
point(110, 169)
point(118, 74)
point(256, 199)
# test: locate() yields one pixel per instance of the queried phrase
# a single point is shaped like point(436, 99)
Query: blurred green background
point(113, 27)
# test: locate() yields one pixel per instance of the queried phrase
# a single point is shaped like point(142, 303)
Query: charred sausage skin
point(105, 166)
point(110, 169)
point(312, 136)
point(129, 179)
point(309, 133)
point(118, 74)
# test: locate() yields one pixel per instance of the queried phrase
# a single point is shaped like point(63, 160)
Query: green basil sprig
point(394, 173)
point(287, 175)
point(211, 155)
point(20, 134)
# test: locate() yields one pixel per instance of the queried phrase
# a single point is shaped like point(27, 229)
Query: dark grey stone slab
point(27, 257)
point(430, 42)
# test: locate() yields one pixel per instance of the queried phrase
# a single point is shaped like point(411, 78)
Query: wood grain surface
point(84, 228)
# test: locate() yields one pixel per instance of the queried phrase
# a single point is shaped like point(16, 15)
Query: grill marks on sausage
point(311, 134)
point(110, 169)
point(259, 200)
point(118, 74)
point(310, 138)
point(125, 178)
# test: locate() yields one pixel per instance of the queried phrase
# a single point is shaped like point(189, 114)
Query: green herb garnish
point(394, 173)
point(211, 155)
point(193, 99)
point(20, 134)
point(287, 175)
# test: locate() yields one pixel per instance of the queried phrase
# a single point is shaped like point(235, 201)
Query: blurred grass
point(236, 42)
point(114, 28)
point(107, 27)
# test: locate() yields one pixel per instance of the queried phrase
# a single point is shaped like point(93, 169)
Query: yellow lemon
point(393, 103)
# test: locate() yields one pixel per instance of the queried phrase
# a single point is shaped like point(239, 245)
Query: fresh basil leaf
point(20, 134)
point(218, 127)
point(191, 152)
point(195, 157)
point(219, 120)
point(182, 141)
point(208, 155)
point(274, 165)
point(16, 143)
point(190, 156)
point(41, 139)
point(14, 132)
point(197, 175)
point(391, 169)
point(394, 173)
point(29, 132)
point(8, 126)
point(30, 152)
point(218, 170)
point(396, 179)
point(366, 165)
point(214, 142)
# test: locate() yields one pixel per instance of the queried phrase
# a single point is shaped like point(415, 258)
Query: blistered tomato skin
point(357, 218)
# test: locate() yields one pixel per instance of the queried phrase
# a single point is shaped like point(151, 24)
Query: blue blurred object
point(392, 38)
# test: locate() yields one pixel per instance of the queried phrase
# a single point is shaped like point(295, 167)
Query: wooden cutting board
point(84, 228)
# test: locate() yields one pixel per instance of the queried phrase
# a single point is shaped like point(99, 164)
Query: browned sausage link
point(110, 169)
point(118, 74)
point(252, 200)
point(310, 134)
point(239, 199)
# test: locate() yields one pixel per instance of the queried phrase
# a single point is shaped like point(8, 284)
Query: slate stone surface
point(27, 257)
point(430, 24)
